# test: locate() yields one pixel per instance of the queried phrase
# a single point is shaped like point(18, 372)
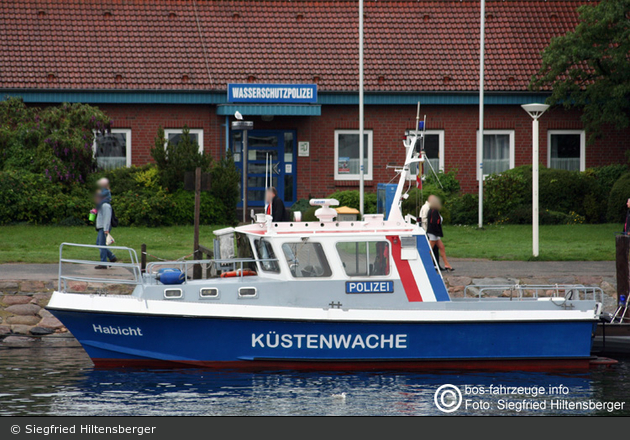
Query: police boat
point(325, 294)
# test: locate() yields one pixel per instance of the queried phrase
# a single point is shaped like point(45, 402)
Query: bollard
point(622, 246)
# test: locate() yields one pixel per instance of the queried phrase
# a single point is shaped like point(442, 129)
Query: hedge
point(137, 198)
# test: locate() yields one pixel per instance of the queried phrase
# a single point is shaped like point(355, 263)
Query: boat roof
point(371, 225)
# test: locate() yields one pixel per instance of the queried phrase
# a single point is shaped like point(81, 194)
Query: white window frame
point(127, 133)
point(512, 148)
point(367, 175)
point(197, 131)
point(582, 134)
point(440, 134)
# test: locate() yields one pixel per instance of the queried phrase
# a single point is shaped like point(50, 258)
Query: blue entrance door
point(280, 147)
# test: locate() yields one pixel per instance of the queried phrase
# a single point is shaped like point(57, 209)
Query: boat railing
point(210, 266)
point(566, 292)
point(130, 274)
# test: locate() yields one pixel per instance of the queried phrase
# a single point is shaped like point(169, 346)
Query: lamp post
point(535, 111)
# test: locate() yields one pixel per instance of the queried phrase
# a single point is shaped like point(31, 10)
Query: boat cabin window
point(306, 260)
point(363, 258)
point(264, 250)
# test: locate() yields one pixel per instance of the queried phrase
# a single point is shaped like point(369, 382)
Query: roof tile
point(412, 44)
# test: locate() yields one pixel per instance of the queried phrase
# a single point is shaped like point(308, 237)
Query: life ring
point(237, 273)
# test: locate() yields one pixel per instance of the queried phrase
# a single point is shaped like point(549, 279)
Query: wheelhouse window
point(347, 163)
point(364, 258)
point(174, 136)
point(434, 150)
point(566, 150)
point(306, 260)
point(498, 151)
point(113, 150)
point(265, 252)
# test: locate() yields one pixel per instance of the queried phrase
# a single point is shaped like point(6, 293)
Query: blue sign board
point(273, 93)
point(369, 286)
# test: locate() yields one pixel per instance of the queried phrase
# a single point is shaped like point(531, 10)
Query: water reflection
point(62, 382)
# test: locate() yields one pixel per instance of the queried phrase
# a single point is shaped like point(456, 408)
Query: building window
point(306, 259)
point(174, 135)
point(434, 149)
point(566, 150)
point(113, 150)
point(364, 258)
point(498, 151)
point(347, 155)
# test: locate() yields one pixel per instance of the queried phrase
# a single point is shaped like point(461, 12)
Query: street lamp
point(535, 111)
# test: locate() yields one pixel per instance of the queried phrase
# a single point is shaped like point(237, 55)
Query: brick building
point(168, 63)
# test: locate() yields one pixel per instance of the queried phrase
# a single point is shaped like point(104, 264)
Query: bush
point(225, 187)
point(56, 140)
point(351, 200)
point(173, 161)
point(465, 209)
point(617, 200)
point(447, 181)
point(596, 203)
point(309, 214)
point(505, 192)
point(523, 216)
point(301, 205)
point(32, 198)
point(564, 191)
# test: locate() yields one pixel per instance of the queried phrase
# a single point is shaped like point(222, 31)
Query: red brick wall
point(144, 121)
point(316, 173)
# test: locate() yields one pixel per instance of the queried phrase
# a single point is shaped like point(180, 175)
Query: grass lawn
point(514, 242)
point(40, 244)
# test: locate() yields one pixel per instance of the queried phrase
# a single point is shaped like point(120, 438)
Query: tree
point(589, 68)
point(55, 141)
point(174, 160)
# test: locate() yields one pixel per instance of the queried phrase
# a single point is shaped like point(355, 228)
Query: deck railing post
point(143, 258)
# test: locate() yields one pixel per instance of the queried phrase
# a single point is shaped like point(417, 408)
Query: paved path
point(463, 267)
point(50, 272)
point(530, 269)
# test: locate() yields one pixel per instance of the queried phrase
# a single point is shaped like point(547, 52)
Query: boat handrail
point(186, 265)
point(532, 291)
point(133, 266)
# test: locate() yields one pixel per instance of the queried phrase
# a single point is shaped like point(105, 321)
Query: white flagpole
point(361, 127)
point(482, 35)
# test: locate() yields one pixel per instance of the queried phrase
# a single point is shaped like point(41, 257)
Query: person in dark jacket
point(434, 231)
point(275, 206)
point(103, 201)
point(626, 225)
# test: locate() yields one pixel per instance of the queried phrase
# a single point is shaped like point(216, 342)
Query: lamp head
point(535, 110)
point(238, 115)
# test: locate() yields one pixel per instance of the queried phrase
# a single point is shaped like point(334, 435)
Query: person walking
point(275, 206)
point(424, 212)
point(434, 231)
point(103, 225)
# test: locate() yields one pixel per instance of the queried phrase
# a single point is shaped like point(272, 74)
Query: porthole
point(247, 292)
point(208, 292)
point(173, 293)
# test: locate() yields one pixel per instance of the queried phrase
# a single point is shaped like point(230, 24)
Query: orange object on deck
point(237, 273)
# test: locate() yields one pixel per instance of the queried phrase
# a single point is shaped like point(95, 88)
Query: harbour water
point(55, 381)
